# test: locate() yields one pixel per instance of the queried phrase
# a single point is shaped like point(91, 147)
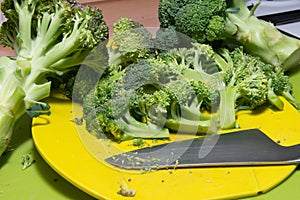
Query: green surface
point(39, 181)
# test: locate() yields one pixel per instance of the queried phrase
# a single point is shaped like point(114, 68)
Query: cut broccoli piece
point(47, 37)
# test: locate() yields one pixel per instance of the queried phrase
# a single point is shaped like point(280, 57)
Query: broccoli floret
point(245, 86)
point(203, 20)
point(279, 85)
point(112, 109)
point(168, 10)
point(48, 37)
point(198, 66)
point(156, 95)
point(231, 22)
point(189, 89)
point(166, 39)
point(130, 41)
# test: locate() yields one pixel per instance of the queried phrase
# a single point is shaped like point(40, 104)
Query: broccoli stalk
point(53, 43)
point(261, 38)
point(232, 22)
point(227, 111)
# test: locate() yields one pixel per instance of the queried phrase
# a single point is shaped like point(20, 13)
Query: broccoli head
point(130, 41)
point(203, 20)
point(212, 21)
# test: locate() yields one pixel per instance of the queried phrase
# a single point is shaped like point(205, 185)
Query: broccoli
point(108, 110)
point(194, 90)
point(47, 37)
point(130, 41)
point(175, 96)
point(249, 83)
point(167, 39)
point(279, 84)
point(78, 82)
point(167, 11)
point(233, 23)
point(198, 66)
point(153, 96)
point(245, 85)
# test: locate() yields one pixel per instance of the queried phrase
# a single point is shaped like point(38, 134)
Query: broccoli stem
point(132, 128)
point(59, 51)
point(21, 92)
point(7, 123)
point(193, 113)
point(274, 99)
point(189, 126)
point(24, 34)
point(262, 38)
point(227, 113)
point(47, 33)
point(12, 107)
point(290, 98)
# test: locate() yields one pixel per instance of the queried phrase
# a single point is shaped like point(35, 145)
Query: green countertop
point(39, 181)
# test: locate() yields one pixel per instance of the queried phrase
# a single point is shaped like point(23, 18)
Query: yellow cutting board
point(78, 156)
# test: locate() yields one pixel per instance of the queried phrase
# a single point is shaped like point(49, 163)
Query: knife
point(278, 18)
point(240, 148)
point(282, 17)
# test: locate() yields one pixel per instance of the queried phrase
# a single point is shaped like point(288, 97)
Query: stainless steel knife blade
point(240, 148)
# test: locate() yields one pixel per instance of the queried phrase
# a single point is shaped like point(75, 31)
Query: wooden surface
point(143, 11)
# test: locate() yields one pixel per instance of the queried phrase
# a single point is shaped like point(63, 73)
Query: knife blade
point(279, 15)
point(240, 148)
point(282, 17)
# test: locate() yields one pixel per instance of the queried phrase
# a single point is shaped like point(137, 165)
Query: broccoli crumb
point(27, 161)
point(126, 192)
point(139, 142)
point(77, 121)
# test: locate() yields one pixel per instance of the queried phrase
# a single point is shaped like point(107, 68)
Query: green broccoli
point(279, 85)
point(130, 41)
point(152, 96)
point(167, 11)
point(78, 82)
point(245, 86)
point(231, 22)
point(109, 110)
point(48, 37)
